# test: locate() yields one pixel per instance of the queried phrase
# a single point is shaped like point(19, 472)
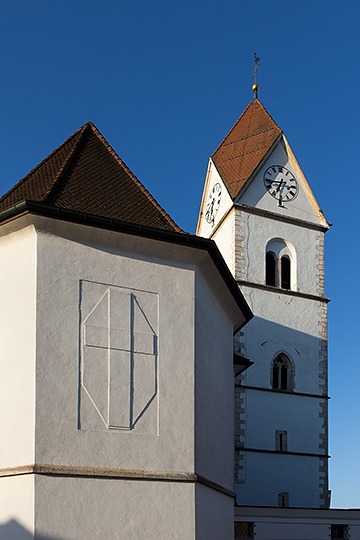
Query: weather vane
point(255, 86)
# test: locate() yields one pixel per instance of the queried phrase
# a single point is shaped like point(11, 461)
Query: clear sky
point(164, 81)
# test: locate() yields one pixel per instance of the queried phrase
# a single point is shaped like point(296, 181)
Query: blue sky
point(164, 82)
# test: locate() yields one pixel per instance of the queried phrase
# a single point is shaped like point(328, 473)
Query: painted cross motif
point(119, 353)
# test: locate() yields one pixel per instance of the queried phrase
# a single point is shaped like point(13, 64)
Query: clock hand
point(209, 210)
point(272, 182)
point(279, 186)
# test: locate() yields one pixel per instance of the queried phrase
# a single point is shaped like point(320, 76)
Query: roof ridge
point(254, 135)
point(239, 119)
point(271, 118)
point(50, 156)
point(134, 178)
point(242, 157)
point(67, 162)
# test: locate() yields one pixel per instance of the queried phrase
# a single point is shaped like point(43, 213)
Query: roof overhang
point(241, 364)
point(178, 239)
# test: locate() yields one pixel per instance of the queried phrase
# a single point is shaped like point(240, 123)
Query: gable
point(301, 204)
point(210, 216)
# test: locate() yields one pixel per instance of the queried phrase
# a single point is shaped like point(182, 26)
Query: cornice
point(110, 473)
point(277, 452)
point(278, 217)
point(278, 391)
point(286, 292)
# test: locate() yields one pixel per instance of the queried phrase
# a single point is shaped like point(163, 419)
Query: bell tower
point(259, 208)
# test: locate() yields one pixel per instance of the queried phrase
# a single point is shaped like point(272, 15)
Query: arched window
point(280, 264)
point(285, 272)
point(282, 373)
point(270, 268)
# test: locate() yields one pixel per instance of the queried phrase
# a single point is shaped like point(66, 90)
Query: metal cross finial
point(255, 87)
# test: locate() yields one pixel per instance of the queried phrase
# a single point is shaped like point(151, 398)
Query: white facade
point(281, 428)
point(117, 387)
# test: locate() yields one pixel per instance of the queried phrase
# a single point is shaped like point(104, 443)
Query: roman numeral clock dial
point(281, 183)
point(213, 203)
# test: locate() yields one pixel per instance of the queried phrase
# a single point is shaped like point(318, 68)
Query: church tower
point(259, 208)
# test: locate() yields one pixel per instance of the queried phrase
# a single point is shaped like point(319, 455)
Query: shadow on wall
point(306, 349)
point(12, 530)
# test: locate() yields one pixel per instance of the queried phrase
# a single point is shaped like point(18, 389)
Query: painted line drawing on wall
point(118, 358)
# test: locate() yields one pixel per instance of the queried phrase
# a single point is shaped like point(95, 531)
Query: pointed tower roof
point(85, 174)
point(244, 147)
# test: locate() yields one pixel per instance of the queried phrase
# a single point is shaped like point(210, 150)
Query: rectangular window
point(244, 530)
point(281, 441)
point(283, 499)
point(340, 532)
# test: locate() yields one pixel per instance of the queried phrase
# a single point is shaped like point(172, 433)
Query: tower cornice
point(279, 217)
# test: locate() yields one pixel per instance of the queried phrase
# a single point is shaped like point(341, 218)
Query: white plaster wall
point(62, 264)
point(354, 531)
point(17, 507)
point(203, 227)
point(290, 325)
point(17, 347)
point(94, 509)
point(282, 324)
point(100, 508)
point(224, 237)
point(259, 231)
point(257, 196)
point(214, 390)
point(298, 475)
point(298, 415)
point(214, 515)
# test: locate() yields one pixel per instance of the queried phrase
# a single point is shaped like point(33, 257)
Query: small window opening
point(280, 441)
point(283, 499)
point(270, 269)
point(340, 532)
point(285, 272)
point(244, 530)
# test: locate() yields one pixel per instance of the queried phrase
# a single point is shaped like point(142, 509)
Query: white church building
point(129, 347)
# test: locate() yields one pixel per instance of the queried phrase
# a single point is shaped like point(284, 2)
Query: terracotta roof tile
point(246, 144)
point(85, 174)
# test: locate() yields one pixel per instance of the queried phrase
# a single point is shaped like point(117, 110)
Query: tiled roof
point(85, 174)
point(245, 146)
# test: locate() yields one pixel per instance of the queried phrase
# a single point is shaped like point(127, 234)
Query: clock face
point(213, 203)
point(281, 183)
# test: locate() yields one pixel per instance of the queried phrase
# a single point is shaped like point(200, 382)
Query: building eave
point(179, 238)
